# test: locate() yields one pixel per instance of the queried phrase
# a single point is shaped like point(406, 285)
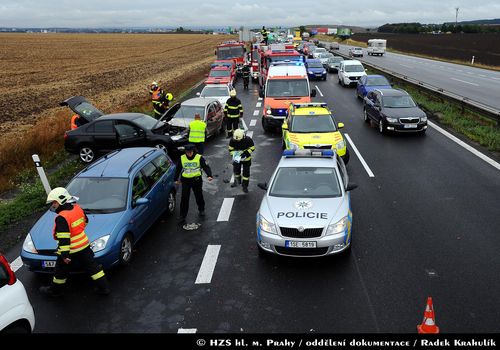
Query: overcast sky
point(221, 13)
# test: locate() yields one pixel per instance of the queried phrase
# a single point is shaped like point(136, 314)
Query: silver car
point(323, 57)
point(306, 210)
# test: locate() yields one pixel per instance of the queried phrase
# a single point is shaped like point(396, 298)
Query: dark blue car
point(368, 83)
point(315, 69)
point(123, 194)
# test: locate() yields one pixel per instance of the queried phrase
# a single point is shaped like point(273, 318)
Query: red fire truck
point(234, 50)
point(277, 53)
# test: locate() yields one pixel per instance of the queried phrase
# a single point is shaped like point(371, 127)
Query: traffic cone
point(428, 325)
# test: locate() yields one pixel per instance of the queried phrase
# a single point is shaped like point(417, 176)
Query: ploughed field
point(111, 70)
point(484, 46)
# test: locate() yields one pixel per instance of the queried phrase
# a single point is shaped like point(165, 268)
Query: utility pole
point(456, 15)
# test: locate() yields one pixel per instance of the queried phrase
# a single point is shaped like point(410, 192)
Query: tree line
point(415, 28)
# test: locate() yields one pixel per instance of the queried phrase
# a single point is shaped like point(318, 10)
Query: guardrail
point(465, 102)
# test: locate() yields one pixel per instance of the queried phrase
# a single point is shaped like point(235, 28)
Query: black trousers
point(245, 177)
point(200, 147)
point(195, 184)
point(232, 123)
point(82, 259)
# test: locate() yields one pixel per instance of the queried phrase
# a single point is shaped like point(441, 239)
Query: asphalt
point(425, 225)
point(481, 85)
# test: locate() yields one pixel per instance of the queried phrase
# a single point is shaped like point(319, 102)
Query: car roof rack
point(309, 153)
point(145, 155)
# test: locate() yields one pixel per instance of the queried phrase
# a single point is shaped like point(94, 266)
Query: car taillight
point(6, 265)
point(65, 135)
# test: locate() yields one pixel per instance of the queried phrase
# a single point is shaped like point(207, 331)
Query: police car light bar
point(311, 104)
point(327, 153)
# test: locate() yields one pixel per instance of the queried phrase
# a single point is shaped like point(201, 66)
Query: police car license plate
point(410, 126)
point(48, 263)
point(299, 244)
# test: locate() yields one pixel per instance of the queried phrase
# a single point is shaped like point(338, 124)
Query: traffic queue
point(109, 206)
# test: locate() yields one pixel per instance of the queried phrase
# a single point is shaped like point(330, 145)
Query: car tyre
point(161, 146)
point(171, 203)
point(16, 328)
point(365, 116)
point(346, 157)
point(265, 125)
point(126, 250)
point(86, 154)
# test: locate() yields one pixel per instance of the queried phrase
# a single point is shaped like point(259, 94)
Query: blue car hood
point(374, 87)
point(99, 225)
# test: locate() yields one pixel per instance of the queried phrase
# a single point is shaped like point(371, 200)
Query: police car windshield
point(312, 123)
point(287, 87)
point(214, 91)
point(100, 195)
point(299, 182)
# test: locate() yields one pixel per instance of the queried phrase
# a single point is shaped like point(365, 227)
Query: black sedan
point(109, 132)
point(394, 110)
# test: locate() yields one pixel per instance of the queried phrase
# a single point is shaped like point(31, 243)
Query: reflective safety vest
point(191, 168)
point(74, 118)
point(156, 95)
point(197, 131)
point(76, 223)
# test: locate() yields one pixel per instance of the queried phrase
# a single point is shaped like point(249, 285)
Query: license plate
point(48, 263)
point(299, 244)
point(410, 126)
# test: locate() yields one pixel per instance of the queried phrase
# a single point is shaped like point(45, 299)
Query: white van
point(350, 71)
point(376, 47)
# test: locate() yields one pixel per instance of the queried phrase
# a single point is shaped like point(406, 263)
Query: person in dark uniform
point(233, 111)
point(245, 73)
point(241, 148)
point(190, 166)
point(73, 245)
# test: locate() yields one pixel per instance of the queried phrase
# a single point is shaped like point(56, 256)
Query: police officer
point(241, 148)
point(197, 130)
point(73, 245)
point(245, 72)
point(190, 165)
point(233, 111)
point(160, 99)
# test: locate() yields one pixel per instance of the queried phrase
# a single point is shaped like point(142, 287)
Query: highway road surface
point(426, 223)
point(481, 85)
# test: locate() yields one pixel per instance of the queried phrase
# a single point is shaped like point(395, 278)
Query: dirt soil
point(484, 46)
point(111, 70)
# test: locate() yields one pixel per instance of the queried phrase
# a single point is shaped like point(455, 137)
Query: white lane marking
point(250, 133)
point(232, 179)
point(404, 65)
point(482, 75)
point(244, 124)
point(187, 330)
point(16, 264)
point(225, 209)
point(464, 145)
point(256, 113)
point(253, 122)
point(362, 160)
point(317, 88)
point(208, 265)
point(466, 82)
point(258, 105)
point(495, 78)
point(259, 99)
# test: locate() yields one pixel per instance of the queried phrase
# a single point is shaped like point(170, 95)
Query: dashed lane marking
point(187, 330)
point(253, 122)
point(259, 99)
point(361, 159)
point(256, 113)
point(16, 264)
point(464, 145)
point(208, 265)
point(466, 82)
point(258, 105)
point(317, 88)
point(250, 133)
point(404, 65)
point(225, 210)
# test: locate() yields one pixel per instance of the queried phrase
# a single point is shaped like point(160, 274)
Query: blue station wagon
point(123, 194)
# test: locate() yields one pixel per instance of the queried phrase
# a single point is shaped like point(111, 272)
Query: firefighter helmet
point(154, 85)
point(238, 134)
point(59, 195)
point(232, 93)
point(169, 96)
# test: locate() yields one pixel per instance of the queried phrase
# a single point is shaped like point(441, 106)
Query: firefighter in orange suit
point(73, 244)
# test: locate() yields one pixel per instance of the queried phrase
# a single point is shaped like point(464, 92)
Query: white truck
point(376, 47)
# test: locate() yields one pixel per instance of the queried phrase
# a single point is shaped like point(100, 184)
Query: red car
point(220, 75)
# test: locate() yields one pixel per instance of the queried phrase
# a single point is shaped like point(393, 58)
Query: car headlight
point(338, 227)
point(99, 244)
point(293, 146)
point(340, 145)
point(267, 226)
point(392, 120)
point(324, 71)
point(28, 245)
point(423, 119)
point(311, 72)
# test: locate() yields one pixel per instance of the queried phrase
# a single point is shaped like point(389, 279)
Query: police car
point(307, 207)
point(312, 126)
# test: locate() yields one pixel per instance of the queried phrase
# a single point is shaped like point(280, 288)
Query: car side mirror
point(340, 125)
point(139, 202)
point(261, 93)
point(313, 93)
point(351, 186)
point(262, 186)
point(198, 94)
